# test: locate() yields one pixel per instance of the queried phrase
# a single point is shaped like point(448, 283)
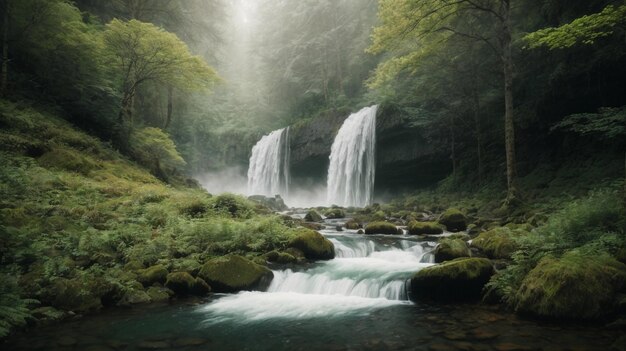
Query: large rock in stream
point(457, 280)
point(313, 245)
point(449, 249)
point(234, 273)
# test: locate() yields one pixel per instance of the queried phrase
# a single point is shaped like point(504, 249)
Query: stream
point(357, 301)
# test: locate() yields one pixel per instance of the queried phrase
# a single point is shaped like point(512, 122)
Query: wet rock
point(454, 220)
point(234, 273)
point(459, 279)
point(280, 257)
point(338, 228)
point(381, 228)
point(313, 244)
point(417, 228)
point(483, 334)
point(313, 216)
point(134, 297)
point(151, 275)
point(182, 283)
point(449, 249)
point(360, 231)
point(352, 224)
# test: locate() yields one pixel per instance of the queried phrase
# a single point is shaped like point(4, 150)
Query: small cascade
point(268, 172)
point(352, 160)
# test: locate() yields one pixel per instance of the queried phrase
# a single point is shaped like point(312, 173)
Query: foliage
point(14, 311)
point(586, 29)
point(608, 123)
point(154, 149)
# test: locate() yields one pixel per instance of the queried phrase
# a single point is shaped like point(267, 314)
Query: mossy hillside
point(233, 273)
point(417, 228)
point(313, 244)
point(498, 243)
point(381, 228)
point(449, 249)
point(90, 222)
point(458, 279)
point(575, 286)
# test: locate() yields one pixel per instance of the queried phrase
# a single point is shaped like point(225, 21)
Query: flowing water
point(357, 301)
point(352, 160)
point(268, 171)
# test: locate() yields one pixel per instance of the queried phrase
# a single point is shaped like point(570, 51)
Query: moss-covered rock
point(298, 254)
point(335, 212)
point(453, 219)
point(313, 244)
point(353, 224)
point(381, 228)
point(134, 265)
point(459, 279)
point(74, 295)
point(151, 275)
point(496, 243)
point(575, 286)
point(158, 294)
point(379, 216)
point(234, 273)
point(417, 228)
point(313, 216)
point(182, 283)
point(134, 297)
point(360, 231)
point(280, 257)
point(449, 249)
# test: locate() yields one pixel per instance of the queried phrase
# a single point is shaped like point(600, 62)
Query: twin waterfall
point(351, 171)
point(268, 172)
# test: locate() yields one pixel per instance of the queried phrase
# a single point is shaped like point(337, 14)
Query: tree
point(411, 30)
point(142, 52)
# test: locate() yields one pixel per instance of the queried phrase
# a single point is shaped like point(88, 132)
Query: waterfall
point(268, 172)
point(352, 160)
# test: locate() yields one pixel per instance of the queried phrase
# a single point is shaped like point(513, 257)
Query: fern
point(14, 311)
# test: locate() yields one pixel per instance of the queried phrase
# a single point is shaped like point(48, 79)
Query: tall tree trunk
point(477, 124)
point(509, 127)
point(170, 105)
point(5, 47)
point(453, 150)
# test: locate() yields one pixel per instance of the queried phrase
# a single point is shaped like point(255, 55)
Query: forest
point(313, 174)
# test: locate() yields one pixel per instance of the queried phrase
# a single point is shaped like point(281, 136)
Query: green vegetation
point(497, 243)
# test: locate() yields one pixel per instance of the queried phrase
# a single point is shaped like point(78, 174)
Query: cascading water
point(268, 172)
point(367, 273)
point(352, 160)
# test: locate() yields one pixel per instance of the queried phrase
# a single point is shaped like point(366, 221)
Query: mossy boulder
point(182, 283)
point(454, 220)
point(151, 275)
point(313, 244)
point(352, 224)
point(458, 280)
point(496, 243)
point(417, 228)
point(381, 228)
point(74, 295)
point(158, 294)
point(379, 216)
point(313, 216)
point(133, 297)
point(449, 249)
point(575, 286)
point(234, 273)
point(280, 257)
point(335, 212)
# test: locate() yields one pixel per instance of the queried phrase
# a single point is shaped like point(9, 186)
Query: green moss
point(151, 275)
point(280, 257)
point(234, 273)
point(381, 228)
point(313, 216)
point(449, 249)
point(453, 219)
point(416, 228)
point(313, 244)
point(335, 212)
point(157, 294)
point(182, 283)
point(67, 160)
point(496, 243)
point(74, 295)
point(459, 279)
point(353, 224)
point(379, 216)
point(575, 286)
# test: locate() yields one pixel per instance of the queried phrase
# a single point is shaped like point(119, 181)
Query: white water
point(268, 172)
point(352, 160)
point(368, 273)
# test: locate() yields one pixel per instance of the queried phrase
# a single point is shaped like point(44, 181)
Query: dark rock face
point(405, 159)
